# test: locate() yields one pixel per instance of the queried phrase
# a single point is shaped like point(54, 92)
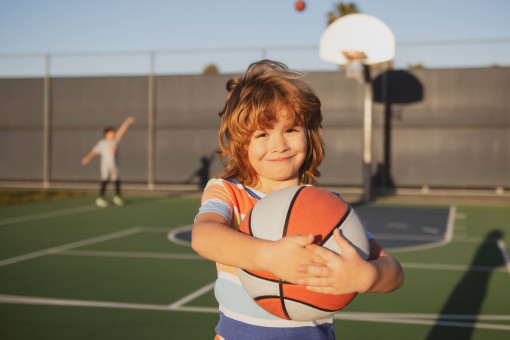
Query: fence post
point(47, 125)
point(152, 125)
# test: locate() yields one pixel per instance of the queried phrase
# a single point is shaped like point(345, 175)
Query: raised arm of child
point(123, 128)
point(349, 272)
point(85, 160)
point(213, 239)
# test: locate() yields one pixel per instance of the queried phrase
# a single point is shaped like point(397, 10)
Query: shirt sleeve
point(216, 199)
point(98, 147)
point(369, 235)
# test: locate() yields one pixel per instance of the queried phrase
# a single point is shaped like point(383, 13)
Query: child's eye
point(259, 134)
point(292, 129)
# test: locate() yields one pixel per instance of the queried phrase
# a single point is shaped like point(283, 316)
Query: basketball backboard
point(354, 34)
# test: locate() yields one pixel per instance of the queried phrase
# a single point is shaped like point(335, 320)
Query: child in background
point(271, 138)
point(107, 148)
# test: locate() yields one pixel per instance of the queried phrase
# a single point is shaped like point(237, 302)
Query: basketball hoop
point(355, 66)
point(357, 41)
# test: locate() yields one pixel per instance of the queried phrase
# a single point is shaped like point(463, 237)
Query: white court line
point(504, 253)
point(48, 214)
point(451, 222)
point(440, 240)
point(170, 256)
point(370, 315)
point(131, 254)
point(410, 318)
point(426, 322)
point(77, 303)
point(408, 237)
point(172, 235)
point(452, 267)
point(192, 296)
point(156, 229)
point(69, 246)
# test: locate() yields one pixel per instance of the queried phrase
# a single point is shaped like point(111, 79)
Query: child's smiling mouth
point(280, 159)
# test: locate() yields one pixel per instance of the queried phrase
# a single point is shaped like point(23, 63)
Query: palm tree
point(210, 69)
point(342, 9)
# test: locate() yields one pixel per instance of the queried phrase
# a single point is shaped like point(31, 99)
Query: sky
point(116, 36)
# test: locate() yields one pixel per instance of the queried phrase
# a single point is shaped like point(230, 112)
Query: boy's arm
point(123, 128)
point(390, 275)
point(213, 239)
point(85, 160)
point(348, 272)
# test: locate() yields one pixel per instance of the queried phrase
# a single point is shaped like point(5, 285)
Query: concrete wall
point(449, 127)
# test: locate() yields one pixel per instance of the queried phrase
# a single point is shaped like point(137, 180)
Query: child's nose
point(279, 144)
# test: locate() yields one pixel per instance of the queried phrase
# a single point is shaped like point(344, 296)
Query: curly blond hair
point(252, 103)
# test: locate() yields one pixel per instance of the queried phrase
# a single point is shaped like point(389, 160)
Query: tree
point(417, 66)
point(210, 69)
point(342, 9)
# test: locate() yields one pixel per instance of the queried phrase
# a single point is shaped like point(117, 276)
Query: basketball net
point(355, 65)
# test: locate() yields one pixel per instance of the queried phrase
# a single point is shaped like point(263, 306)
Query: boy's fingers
point(315, 270)
point(314, 282)
point(324, 253)
point(302, 240)
point(324, 290)
point(341, 241)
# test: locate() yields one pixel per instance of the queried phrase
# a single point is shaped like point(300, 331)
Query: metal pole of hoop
point(367, 134)
point(356, 41)
point(357, 69)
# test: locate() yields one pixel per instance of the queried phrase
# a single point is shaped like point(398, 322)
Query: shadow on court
point(397, 227)
point(469, 294)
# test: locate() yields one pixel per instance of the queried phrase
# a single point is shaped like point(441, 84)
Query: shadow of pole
point(460, 312)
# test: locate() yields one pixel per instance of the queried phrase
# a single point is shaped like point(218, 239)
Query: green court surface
point(70, 270)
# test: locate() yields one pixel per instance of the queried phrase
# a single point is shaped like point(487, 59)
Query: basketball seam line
point(342, 220)
point(249, 222)
point(284, 232)
point(262, 297)
point(262, 277)
point(287, 218)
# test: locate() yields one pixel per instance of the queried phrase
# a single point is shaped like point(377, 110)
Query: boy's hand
point(287, 254)
point(338, 274)
point(85, 161)
point(130, 120)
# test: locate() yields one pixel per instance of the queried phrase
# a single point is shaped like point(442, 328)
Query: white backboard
point(357, 32)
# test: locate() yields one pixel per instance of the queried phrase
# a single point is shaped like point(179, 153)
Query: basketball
point(300, 5)
point(300, 210)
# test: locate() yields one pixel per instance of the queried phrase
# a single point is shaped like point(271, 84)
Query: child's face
point(109, 135)
point(277, 153)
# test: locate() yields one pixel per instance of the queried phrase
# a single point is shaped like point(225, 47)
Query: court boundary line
point(172, 235)
point(49, 214)
point(464, 268)
point(131, 254)
point(504, 253)
point(446, 239)
point(179, 256)
point(66, 247)
point(190, 297)
point(69, 246)
point(400, 318)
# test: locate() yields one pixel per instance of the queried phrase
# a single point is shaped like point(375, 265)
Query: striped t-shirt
point(240, 316)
